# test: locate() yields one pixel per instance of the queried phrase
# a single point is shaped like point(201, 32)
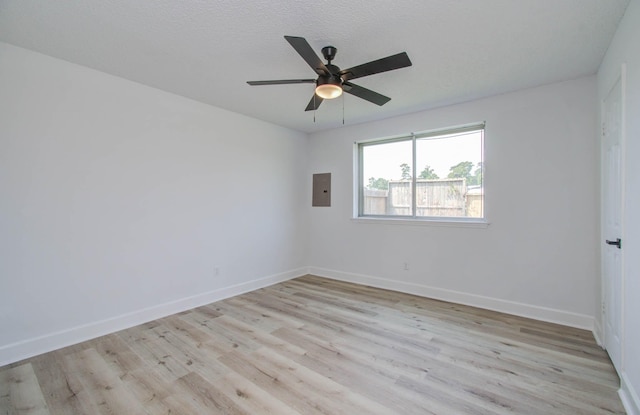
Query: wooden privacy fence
point(443, 197)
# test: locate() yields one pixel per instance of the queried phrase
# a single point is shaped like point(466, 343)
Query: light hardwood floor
point(317, 346)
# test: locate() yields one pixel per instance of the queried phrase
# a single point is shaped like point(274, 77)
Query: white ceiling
point(207, 49)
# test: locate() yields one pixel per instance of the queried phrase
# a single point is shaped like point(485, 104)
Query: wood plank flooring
point(317, 346)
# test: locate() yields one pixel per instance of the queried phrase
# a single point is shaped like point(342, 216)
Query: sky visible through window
point(440, 153)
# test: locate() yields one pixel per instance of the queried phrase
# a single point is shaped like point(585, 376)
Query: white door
point(612, 112)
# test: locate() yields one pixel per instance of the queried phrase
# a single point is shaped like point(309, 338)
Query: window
point(430, 175)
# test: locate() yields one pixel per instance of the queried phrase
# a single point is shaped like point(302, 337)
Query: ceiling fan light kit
point(328, 87)
point(332, 81)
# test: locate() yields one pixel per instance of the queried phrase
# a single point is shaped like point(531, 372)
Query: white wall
point(118, 201)
point(539, 255)
point(624, 49)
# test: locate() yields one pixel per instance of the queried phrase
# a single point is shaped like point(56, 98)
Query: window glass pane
point(449, 180)
point(449, 175)
point(387, 170)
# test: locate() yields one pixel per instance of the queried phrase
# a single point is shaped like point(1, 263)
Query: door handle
point(617, 242)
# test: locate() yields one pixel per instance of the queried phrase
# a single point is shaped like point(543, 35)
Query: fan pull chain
point(314, 108)
point(342, 109)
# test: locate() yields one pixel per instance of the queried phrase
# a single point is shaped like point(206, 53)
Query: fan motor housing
point(329, 79)
point(333, 69)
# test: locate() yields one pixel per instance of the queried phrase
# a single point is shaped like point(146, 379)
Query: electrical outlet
point(406, 266)
point(216, 271)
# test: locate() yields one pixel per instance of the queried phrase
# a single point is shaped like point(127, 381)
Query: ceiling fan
point(332, 81)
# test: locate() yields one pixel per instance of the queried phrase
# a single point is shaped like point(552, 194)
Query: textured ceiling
point(207, 49)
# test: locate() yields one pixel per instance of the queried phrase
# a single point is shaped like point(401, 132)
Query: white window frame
point(358, 190)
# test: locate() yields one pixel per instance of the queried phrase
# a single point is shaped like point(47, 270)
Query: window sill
point(448, 222)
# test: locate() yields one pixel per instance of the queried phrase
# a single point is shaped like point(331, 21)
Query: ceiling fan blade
point(282, 82)
point(303, 48)
point(314, 103)
point(365, 93)
point(401, 60)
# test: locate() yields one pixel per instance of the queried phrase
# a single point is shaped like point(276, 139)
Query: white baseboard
point(15, 352)
point(628, 396)
point(597, 332)
point(31, 347)
point(510, 307)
